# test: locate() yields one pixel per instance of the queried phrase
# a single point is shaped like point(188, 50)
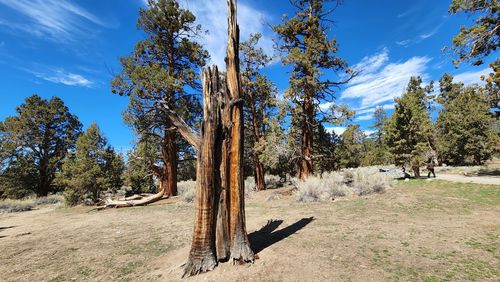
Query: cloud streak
point(381, 81)
point(57, 20)
point(60, 76)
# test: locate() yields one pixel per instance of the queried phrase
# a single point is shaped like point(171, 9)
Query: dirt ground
point(416, 231)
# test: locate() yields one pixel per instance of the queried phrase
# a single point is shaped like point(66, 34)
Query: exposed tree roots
point(199, 265)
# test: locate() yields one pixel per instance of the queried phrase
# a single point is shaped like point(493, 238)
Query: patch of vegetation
point(84, 271)
point(154, 247)
point(361, 181)
point(129, 268)
point(8, 206)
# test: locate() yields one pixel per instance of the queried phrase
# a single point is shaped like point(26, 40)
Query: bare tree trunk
point(260, 182)
point(222, 232)
point(306, 165)
point(202, 256)
point(169, 153)
point(240, 245)
point(416, 171)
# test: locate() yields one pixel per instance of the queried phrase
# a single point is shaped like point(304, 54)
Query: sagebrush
point(361, 181)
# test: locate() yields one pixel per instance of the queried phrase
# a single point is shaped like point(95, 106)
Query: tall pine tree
point(307, 48)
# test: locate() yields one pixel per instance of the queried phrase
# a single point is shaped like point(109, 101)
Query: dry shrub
point(368, 181)
point(7, 206)
point(361, 181)
point(187, 190)
point(272, 181)
point(250, 186)
point(49, 200)
point(27, 204)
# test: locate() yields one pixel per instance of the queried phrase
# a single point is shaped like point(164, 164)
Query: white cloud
point(471, 77)
point(337, 129)
point(368, 132)
point(57, 20)
point(385, 82)
point(364, 117)
point(60, 76)
point(212, 15)
point(372, 109)
point(421, 37)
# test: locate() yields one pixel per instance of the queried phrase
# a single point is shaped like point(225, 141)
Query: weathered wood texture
point(202, 256)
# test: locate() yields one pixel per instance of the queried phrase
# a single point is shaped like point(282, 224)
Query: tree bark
point(260, 182)
point(222, 232)
point(202, 256)
point(240, 245)
point(306, 165)
point(169, 153)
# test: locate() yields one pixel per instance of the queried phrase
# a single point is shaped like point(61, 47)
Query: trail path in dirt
point(491, 180)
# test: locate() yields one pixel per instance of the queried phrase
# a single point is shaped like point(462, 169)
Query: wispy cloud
point(421, 37)
point(60, 76)
point(408, 12)
point(2, 43)
point(471, 77)
point(211, 14)
point(380, 83)
point(57, 20)
point(364, 117)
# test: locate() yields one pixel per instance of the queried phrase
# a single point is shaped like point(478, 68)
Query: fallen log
point(109, 203)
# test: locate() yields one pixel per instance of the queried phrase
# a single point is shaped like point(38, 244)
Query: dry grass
point(416, 231)
point(187, 190)
point(361, 181)
point(8, 206)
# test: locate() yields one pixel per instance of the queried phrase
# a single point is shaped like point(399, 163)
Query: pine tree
point(260, 102)
point(93, 168)
point(477, 41)
point(306, 47)
point(352, 149)
point(409, 132)
point(164, 68)
point(33, 145)
point(464, 125)
point(377, 150)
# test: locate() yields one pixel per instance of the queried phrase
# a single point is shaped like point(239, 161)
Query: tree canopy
point(33, 145)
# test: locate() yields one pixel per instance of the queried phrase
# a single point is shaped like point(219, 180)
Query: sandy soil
point(417, 231)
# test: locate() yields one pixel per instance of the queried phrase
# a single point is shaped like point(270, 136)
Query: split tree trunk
point(240, 245)
point(220, 230)
point(202, 256)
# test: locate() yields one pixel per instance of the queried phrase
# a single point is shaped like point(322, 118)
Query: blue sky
point(70, 49)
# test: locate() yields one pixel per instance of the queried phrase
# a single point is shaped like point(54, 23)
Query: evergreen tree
point(352, 148)
point(306, 47)
point(163, 69)
point(33, 145)
point(409, 132)
point(477, 41)
point(326, 148)
point(260, 102)
point(376, 145)
point(92, 169)
point(464, 126)
point(138, 173)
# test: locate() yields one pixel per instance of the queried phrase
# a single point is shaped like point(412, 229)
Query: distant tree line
point(43, 148)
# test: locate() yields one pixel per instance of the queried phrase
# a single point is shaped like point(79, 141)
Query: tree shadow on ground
point(3, 228)
point(265, 236)
point(488, 172)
